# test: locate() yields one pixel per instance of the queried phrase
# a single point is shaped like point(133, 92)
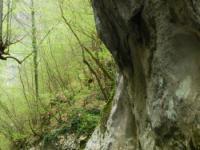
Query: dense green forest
point(57, 77)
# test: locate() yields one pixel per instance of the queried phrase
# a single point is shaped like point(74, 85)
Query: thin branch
point(16, 59)
point(98, 80)
point(82, 46)
point(46, 35)
point(17, 41)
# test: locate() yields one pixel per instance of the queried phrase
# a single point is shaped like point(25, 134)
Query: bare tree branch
point(81, 45)
point(16, 59)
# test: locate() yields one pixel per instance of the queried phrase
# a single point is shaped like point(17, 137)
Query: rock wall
point(156, 44)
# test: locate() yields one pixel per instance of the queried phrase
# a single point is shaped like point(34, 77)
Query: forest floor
point(66, 125)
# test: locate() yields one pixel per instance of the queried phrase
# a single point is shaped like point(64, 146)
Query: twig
point(46, 35)
point(98, 80)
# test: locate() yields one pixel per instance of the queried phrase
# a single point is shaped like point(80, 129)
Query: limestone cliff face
point(156, 44)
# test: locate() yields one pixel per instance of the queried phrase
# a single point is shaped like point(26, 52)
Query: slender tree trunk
point(156, 44)
point(8, 23)
point(1, 22)
point(35, 50)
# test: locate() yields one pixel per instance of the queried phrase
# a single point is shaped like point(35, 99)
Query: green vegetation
point(57, 78)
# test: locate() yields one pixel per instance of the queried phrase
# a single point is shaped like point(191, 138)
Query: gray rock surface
point(156, 44)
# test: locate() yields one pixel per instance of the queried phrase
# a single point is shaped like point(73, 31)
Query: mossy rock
point(105, 116)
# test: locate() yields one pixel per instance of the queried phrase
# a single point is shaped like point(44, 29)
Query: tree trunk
point(1, 22)
point(156, 44)
point(35, 50)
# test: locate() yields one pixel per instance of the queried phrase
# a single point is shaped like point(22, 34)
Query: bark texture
point(156, 44)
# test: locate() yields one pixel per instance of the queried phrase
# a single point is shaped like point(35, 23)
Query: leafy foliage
point(75, 72)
